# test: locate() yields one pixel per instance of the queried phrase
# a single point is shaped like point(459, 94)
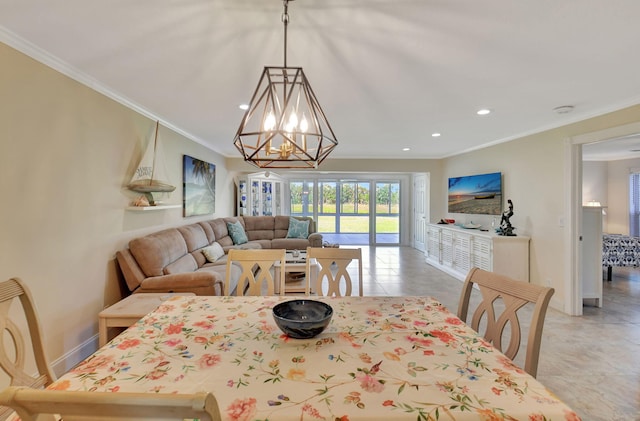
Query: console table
point(456, 250)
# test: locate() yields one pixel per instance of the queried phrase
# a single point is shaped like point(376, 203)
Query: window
point(634, 204)
point(350, 211)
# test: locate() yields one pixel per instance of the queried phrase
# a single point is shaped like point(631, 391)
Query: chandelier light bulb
point(293, 121)
point(304, 124)
point(270, 121)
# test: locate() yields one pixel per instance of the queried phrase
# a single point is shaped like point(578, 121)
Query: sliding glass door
point(387, 213)
point(357, 212)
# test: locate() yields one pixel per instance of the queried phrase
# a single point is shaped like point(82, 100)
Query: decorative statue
point(505, 224)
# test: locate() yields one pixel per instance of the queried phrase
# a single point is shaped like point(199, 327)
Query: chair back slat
point(333, 274)
point(42, 404)
point(256, 271)
point(502, 298)
point(15, 355)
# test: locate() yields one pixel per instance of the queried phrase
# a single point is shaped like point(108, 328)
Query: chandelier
point(284, 126)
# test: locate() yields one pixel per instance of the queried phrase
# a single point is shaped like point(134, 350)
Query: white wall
point(595, 182)
point(618, 194)
point(66, 153)
point(608, 182)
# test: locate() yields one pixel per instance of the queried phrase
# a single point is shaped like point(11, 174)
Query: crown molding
point(28, 48)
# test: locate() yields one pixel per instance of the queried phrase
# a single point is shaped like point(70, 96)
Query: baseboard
point(69, 360)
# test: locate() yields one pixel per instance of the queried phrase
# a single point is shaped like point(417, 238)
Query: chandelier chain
point(285, 20)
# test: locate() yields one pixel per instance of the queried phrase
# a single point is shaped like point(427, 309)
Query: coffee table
point(292, 267)
point(129, 310)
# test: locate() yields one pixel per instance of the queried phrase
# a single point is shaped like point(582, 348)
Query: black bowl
point(302, 319)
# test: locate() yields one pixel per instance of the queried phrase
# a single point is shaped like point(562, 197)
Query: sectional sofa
point(192, 258)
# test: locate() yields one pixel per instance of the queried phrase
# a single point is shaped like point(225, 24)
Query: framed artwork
point(476, 194)
point(199, 187)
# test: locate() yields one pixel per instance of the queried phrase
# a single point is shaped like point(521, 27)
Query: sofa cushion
point(282, 225)
point(184, 264)
point(259, 223)
point(213, 252)
point(220, 231)
point(155, 251)
point(290, 243)
point(194, 236)
point(236, 232)
point(220, 272)
point(251, 245)
point(259, 227)
point(298, 229)
point(208, 230)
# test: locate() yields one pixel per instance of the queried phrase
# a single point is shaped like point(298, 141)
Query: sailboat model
point(149, 177)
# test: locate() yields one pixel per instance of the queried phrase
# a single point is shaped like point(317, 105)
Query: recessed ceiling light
point(435, 134)
point(483, 111)
point(563, 109)
point(244, 107)
point(406, 149)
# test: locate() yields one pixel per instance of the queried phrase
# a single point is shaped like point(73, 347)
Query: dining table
point(380, 358)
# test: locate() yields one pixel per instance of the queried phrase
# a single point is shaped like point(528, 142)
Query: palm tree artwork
point(199, 183)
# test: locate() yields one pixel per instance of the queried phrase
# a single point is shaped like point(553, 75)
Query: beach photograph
point(476, 194)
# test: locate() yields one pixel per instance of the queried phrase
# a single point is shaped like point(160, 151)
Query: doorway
point(573, 184)
point(420, 210)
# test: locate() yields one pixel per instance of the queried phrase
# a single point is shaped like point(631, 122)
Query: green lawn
point(359, 224)
point(355, 223)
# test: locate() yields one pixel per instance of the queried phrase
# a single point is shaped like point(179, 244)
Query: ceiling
point(388, 73)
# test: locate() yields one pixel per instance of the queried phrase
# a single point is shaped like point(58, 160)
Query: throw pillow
point(213, 252)
point(298, 228)
point(236, 232)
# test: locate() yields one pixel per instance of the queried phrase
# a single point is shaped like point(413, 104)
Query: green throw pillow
point(236, 232)
point(298, 228)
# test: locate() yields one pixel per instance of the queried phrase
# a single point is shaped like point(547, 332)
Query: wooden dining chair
point(50, 405)
point(15, 356)
point(257, 271)
point(333, 275)
point(514, 295)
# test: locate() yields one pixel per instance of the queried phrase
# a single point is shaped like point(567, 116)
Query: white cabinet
point(482, 257)
point(456, 250)
point(591, 249)
point(260, 194)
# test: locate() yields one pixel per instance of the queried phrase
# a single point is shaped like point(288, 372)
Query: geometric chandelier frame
point(284, 126)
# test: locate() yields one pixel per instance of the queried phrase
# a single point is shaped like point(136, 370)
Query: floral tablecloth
point(386, 358)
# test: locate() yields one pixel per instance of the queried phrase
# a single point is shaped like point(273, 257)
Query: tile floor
point(591, 362)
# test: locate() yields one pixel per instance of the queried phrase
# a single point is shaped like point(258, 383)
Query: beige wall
point(66, 152)
point(533, 170)
point(532, 174)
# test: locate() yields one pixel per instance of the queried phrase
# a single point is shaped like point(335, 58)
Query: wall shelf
point(151, 208)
